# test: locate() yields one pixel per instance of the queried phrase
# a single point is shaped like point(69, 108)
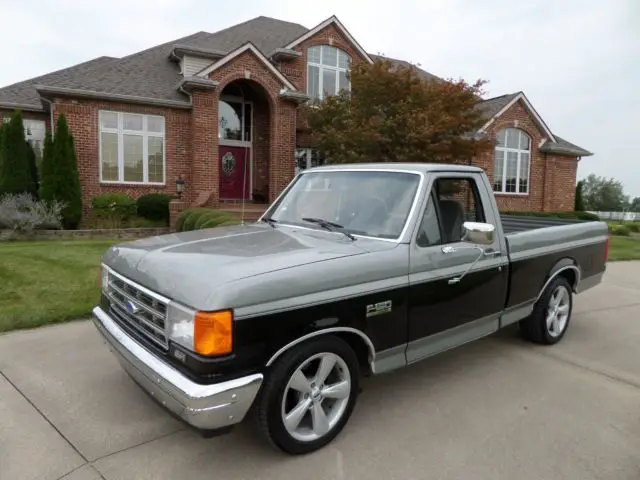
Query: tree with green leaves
point(579, 202)
point(15, 174)
point(392, 114)
point(33, 168)
point(60, 179)
point(602, 194)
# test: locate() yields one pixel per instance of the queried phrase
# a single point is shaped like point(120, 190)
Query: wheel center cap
point(316, 394)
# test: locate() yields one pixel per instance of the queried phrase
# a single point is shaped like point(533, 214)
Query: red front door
point(234, 172)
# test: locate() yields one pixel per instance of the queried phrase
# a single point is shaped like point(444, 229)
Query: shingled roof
point(493, 106)
point(23, 94)
point(150, 77)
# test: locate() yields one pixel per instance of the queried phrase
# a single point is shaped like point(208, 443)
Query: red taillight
point(606, 249)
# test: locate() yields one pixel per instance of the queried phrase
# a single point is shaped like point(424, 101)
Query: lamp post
point(179, 186)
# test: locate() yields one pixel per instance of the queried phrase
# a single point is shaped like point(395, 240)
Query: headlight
point(104, 277)
point(205, 333)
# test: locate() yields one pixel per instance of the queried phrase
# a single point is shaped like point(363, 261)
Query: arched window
point(326, 71)
point(512, 161)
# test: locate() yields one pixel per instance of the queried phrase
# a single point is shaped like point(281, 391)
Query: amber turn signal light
point(213, 333)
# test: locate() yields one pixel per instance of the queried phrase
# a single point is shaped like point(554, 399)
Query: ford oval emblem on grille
point(132, 308)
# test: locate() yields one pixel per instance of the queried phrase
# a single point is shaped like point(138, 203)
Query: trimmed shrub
point(24, 213)
point(214, 216)
point(113, 208)
point(180, 220)
point(15, 174)
point(59, 177)
point(154, 206)
point(33, 169)
point(633, 227)
point(619, 230)
point(219, 222)
point(190, 222)
point(579, 203)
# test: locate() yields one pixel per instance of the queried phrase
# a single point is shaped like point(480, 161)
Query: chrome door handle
point(493, 253)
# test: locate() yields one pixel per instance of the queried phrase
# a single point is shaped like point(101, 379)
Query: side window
point(429, 232)
point(452, 202)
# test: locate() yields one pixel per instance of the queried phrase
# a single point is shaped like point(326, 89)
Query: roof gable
point(333, 20)
point(508, 103)
point(248, 47)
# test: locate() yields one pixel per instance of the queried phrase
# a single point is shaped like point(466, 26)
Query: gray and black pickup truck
point(354, 270)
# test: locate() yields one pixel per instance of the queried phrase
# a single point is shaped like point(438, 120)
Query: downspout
point(544, 183)
point(53, 127)
point(182, 90)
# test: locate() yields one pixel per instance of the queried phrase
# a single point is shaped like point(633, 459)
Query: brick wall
point(551, 179)
point(261, 147)
point(205, 166)
point(296, 70)
point(82, 117)
point(282, 115)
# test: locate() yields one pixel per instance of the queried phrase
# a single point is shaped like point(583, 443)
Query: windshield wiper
point(270, 221)
point(331, 226)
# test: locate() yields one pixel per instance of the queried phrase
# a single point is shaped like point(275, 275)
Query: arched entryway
point(244, 142)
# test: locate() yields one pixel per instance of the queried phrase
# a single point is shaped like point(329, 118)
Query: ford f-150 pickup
point(353, 270)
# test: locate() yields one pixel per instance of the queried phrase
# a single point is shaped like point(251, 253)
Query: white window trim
point(145, 134)
point(331, 20)
point(237, 143)
point(519, 153)
point(322, 67)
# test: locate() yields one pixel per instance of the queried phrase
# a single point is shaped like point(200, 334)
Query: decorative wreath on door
point(228, 163)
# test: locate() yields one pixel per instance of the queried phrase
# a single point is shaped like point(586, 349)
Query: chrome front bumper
point(206, 407)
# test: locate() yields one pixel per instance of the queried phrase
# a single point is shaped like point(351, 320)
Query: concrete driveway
point(496, 409)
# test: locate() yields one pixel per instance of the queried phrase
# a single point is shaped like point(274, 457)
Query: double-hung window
point(132, 148)
point(327, 69)
point(512, 162)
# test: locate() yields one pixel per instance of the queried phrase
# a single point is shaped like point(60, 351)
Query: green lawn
point(48, 282)
point(624, 248)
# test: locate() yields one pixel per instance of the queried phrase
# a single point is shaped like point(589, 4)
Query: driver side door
point(444, 313)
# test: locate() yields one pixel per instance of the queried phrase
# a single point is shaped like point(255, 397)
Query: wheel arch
point(566, 267)
point(359, 341)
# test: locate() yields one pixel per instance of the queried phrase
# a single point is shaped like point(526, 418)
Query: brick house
point(220, 110)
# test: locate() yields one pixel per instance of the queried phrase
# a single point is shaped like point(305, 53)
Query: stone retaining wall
point(106, 234)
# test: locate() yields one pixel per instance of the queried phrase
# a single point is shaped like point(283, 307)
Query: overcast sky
point(578, 61)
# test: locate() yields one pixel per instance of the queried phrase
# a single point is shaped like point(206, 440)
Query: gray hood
point(188, 267)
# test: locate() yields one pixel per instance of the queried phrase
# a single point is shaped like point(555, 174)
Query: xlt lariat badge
point(378, 308)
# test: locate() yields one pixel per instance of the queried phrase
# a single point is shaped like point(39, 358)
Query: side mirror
point(479, 233)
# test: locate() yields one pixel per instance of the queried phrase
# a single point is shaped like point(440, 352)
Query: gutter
point(72, 92)
point(21, 106)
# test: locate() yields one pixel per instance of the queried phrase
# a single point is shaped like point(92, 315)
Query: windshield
point(369, 203)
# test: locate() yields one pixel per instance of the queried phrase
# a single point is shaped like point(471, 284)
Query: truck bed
point(522, 223)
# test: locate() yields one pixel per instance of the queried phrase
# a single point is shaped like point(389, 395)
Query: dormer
point(193, 60)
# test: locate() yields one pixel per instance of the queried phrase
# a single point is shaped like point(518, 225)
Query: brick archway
point(255, 144)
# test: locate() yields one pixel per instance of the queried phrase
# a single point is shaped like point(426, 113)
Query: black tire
point(268, 405)
point(534, 328)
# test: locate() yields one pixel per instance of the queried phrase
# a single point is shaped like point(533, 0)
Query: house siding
point(191, 65)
